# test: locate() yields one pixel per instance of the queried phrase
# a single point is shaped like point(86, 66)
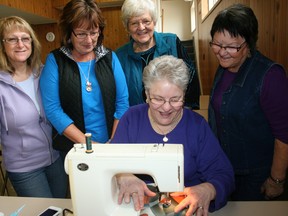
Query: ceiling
point(35, 19)
point(30, 18)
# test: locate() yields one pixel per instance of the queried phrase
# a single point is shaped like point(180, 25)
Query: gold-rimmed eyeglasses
point(230, 49)
point(83, 35)
point(174, 102)
point(15, 40)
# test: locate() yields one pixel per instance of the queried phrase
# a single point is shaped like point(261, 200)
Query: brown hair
point(75, 13)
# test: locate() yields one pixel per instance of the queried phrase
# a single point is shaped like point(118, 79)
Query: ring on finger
point(200, 207)
point(135, 192)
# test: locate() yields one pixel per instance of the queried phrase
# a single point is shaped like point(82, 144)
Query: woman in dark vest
point(83, 85)
point(248, 109)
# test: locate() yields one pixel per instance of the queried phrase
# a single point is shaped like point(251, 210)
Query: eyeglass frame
point(86, 35)
point(17, 40)
point(144, 22)
point(238, 48)
point(164, 101)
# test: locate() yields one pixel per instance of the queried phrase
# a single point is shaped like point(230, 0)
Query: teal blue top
point(132, 64)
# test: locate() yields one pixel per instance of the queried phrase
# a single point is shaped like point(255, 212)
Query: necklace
point(165, 138)
point(88, 83)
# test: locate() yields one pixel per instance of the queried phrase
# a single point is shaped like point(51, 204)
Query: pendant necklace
point(88, 83)
point(165, 138)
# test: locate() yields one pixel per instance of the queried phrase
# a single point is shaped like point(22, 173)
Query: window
point(207, 6)
point(193, 16)
point(211, 3)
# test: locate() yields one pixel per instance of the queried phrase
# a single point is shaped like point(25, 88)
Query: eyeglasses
point(230, 49)
point(174, 102)
point(144, 22)
point(14, 40)
point(83, 35)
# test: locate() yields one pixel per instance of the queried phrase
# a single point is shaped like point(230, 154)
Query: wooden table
point(33, 206)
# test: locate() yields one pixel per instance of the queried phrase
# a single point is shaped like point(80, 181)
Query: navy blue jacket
point(245, 134)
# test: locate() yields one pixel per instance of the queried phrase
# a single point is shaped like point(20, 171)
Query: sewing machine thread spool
point(88, 142)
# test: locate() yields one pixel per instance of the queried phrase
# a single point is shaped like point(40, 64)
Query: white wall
point(176, 18)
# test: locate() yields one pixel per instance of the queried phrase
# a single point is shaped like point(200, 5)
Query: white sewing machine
point(93, 186)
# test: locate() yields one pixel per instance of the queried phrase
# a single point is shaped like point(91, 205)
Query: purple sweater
point(204, 160)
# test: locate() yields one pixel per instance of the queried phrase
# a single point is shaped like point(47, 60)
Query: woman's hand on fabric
point(132, 187)
point(197, 199)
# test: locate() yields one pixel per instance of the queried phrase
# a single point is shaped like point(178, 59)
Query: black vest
point(71, 95)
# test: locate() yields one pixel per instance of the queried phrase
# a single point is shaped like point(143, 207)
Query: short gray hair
point(167, 67)
point(132, 8)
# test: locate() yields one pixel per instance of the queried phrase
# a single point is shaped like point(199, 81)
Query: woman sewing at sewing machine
point(208, 175)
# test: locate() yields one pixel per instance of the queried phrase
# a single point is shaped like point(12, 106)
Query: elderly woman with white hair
point(208, 174)
point(140, 18)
